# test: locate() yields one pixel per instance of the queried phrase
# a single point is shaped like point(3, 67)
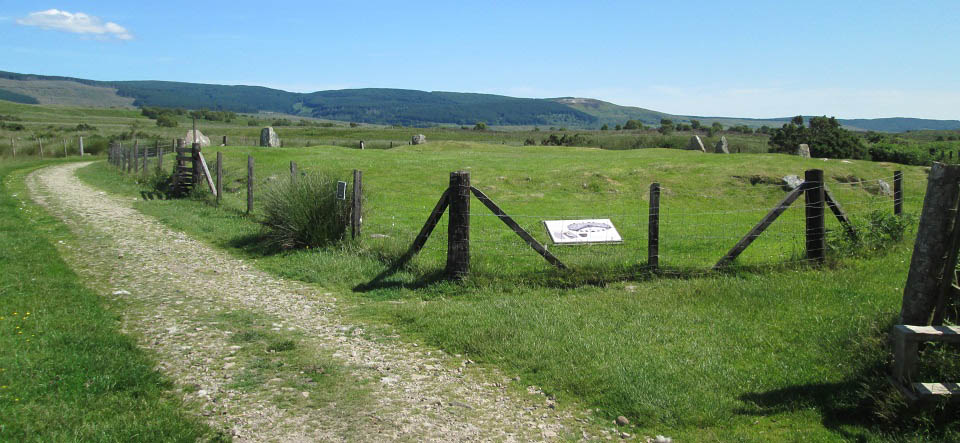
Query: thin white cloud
point(78, 23)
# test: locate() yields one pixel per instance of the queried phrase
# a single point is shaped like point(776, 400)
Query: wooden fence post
point(219, 176)
point(145, 151)
point(195, 163)
point(224, 140)
point(458, 229)
point(135, 157)
point(249, 184)
point(159, 156)
point(653, 228)
point(64, 148)
point(13, 145)
point(816, 229)
point(40, 144)
point(356, 204)
point(937, 220)
point(898, 193)
point(293, 172)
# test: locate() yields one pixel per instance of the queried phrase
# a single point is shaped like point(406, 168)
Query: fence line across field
point(690, 234)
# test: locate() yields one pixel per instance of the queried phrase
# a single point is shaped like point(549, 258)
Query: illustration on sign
point(582, 231)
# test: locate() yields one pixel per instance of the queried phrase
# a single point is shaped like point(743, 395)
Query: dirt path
point(185, 301)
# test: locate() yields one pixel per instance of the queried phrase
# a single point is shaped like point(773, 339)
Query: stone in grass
point(791, 182)
point(803, 150)
point(269, 137)
point(696, 144)
point(203, 140)
point(418, 139)
point(622, 421)
point(879, 188)
point(722, 147)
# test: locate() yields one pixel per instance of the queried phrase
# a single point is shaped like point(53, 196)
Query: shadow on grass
point(865, 403)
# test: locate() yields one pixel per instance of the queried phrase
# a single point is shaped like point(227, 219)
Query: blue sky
point(852, 59)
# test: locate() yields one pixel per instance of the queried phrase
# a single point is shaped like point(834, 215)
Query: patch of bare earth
point(177, 295)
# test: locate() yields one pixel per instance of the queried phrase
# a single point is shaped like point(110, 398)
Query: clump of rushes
point(304, 213)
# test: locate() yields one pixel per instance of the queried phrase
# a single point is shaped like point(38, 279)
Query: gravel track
point(169, 284)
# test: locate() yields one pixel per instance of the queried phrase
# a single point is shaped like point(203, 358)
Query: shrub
point(881, 230)
point(166, 121)
point(253, 122)
point(304, 213)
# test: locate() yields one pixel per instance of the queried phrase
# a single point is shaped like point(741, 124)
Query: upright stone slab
point(202, 139)
point(803, 150)
point(269, 137)
point(722, 147)
point(418, 139)
point(696, 144)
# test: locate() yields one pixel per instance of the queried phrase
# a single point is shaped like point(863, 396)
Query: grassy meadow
point(773, 349)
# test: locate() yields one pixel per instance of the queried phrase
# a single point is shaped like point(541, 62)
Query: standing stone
point(803, 150)
point(81, 146)
point(418, 139)
point(202, 139)
point(696, 144)
point(722, 146)
point(361, 145)
point(269, 137)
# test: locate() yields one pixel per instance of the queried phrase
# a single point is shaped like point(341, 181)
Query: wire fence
point(696, 228)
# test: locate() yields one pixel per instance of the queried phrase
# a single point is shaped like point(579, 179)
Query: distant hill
point(380, 106)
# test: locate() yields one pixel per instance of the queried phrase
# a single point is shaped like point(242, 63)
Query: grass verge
point(66, 372)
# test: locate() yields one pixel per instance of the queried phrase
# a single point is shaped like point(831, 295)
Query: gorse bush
point(304, 212)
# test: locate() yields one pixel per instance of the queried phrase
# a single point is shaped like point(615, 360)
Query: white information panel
point(568, 232)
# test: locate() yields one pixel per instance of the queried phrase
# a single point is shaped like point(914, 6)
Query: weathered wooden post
point(356, 204)
point(458, 229)
point(898, 193)
point(293, 172)
point(145, 152)
point(929, 260)
point(13, 145)
point(653, 228)
point(219, 176)
point(64, 148)
point(159, 156)
point(40, 144)
point(249, 184)
point(224, 140)
point(196, 174)
point(81, 146)
point(816, 229)
point(135, 157)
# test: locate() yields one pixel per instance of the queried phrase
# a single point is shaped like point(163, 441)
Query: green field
point(774, 349)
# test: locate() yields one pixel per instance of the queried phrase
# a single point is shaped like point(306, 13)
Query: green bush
point(304, 213)
point(877, 233)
